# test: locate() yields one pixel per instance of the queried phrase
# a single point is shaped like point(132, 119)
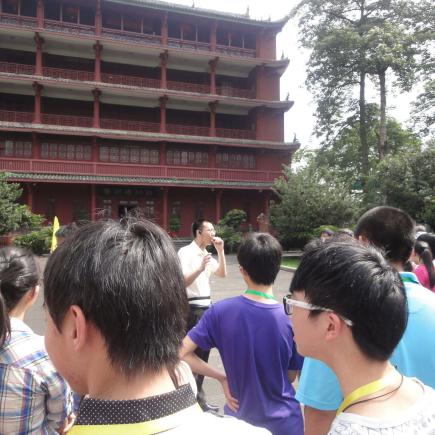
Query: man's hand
point(232, 402)
point(218, 243)
point(205, 260)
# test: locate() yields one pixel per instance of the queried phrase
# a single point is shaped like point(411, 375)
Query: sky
point(300, 119)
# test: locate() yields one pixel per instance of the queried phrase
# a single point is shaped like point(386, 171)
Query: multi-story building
point(110, 105)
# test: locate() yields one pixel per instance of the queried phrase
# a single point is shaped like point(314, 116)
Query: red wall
point(270, 125)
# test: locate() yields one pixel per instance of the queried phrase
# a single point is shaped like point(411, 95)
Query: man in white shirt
point(198, 265)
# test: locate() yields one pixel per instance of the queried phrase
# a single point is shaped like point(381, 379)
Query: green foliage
point(228, 228)
point(39, 242)
point(174, 224)
point(407, 181)
point(317, 231)
point(14, 216)
point(309, 199)
point(233, 219)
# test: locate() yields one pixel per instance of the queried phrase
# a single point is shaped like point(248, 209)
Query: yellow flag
point(56, 226)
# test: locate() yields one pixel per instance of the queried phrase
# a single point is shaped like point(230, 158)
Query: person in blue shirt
point(391, 230)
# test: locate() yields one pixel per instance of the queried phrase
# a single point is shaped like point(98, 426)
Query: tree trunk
point(363, 127)
point(382, 146)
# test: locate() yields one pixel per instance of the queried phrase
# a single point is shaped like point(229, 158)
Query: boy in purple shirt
point(255, 341)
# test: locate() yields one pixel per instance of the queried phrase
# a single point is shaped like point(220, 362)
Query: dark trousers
point(195, 314)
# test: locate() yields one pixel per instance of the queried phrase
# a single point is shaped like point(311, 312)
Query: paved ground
point(230, 286)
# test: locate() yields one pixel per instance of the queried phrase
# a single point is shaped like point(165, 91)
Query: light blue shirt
point(414, 356)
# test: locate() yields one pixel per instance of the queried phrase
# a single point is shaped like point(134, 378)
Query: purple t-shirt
point(255, 342)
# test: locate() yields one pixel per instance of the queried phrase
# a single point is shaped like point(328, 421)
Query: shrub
point(228, 228)
point(39, 242)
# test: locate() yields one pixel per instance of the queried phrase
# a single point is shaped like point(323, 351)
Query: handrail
point(133, 170)
point(17, 68)
point(15, 116)
point(70, 74)
point(140, 82)
point(18, 20)
point(62, 26)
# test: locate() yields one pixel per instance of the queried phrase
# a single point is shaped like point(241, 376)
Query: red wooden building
point(111, 105)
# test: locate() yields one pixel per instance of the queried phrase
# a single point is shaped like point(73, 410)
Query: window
point(10, 7)
point(132, 23)
point(235, 160)
point(149, 209)
point(111, 20)
point(28, 8)
point(16, 148)
point(70, 13)
point(176, 209)
point(186, 158)
point(129, 154)
point(62, 151)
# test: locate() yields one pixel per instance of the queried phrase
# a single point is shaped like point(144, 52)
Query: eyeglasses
point(290, 303)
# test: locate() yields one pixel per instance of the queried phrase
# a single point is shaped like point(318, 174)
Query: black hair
point(198, 225)
point(390, 229)
point(127, 279)
point(429, 238)
point(260, 256)
point(18, 275)
point(358, 283)
point(422, 249)
point(67, 230)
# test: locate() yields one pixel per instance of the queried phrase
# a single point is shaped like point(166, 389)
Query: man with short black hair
point(116, 308)
point(255, 341)
point(198, 265)
point(391, 230)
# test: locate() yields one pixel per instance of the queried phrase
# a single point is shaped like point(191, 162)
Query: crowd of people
point(128, 321)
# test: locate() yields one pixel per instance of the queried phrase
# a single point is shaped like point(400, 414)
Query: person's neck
point(111, 385)
point(202, 245)
point(353, 373)
point(266, 289)
point(18, 312)
point(397, 265)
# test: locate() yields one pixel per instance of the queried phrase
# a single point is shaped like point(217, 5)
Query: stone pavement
point(222, 288)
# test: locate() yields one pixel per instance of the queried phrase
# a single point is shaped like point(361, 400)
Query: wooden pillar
point(212, 157)
point(95, 151)
point(40, 13)
point(37, 110)
point(38, 54)
point(213, 36)
point(36, 146)
point(164, 69)
point(162, 157)
point(218, 205)
point(164, 31)
point(213, 65)
point(98, 18)
point(96, 119)
point(163, 101)
point(93, 213)
point(212, 106)
point(97, 64)
point(266, 204)
point(165, 209)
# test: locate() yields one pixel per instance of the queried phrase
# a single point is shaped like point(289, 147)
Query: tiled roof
point(209, 13)
point(135, 180)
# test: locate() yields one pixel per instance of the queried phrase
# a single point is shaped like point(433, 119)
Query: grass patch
point(290, 262)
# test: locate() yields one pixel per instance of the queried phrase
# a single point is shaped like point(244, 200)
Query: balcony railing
point(122, 124)
point(9, 116)
point(189, 87)
point(67, 120)
point(235, 51)
point(235, 133)
point(130, 81)
point(18, 20)
point(187, 130)
point(69, 74)
point(127, 125)
point(125, 35)
point(17, 68)
point(191, 45)
point(74, 28)
point(229, 91)
point(132, 170)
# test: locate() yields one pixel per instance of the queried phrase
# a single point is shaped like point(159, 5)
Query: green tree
point(310, 198)
point(12, 214)
point(407, 181)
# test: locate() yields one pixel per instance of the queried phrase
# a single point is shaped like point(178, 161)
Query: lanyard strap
point(257, 293)
point(365, 390)
point(409, 279)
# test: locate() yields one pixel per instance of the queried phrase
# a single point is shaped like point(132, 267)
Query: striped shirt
point(34, 398)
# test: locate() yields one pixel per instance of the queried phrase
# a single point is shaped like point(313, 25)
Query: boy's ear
point(334, 326)
point(77, 327)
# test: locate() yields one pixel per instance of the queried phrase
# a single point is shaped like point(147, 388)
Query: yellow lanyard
point(365, 390)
